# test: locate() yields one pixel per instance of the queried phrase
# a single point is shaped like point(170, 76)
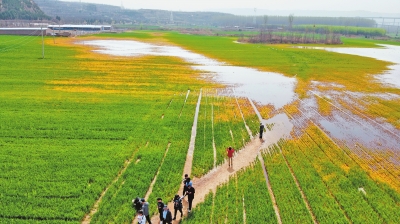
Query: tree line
point(245, 21)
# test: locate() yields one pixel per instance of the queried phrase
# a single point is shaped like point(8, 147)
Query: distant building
point(23, 31)
point(86, 28)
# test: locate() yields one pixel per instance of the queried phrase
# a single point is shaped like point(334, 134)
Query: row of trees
point(293, 38)
point(343, 30)
point(243, 21)
point(308, 34)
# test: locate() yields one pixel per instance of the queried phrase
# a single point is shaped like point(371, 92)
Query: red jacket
point(230, 152)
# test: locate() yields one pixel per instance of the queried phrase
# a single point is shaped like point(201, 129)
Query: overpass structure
point(390, 24)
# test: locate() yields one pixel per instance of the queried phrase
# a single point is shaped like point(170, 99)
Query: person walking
point(145, 209)
point(186, 182)
point(230, 151)
point(190, 193)
point(141, 218)
point(166, 215)
point(160, 206)
point(261, 130)
point(177, 205)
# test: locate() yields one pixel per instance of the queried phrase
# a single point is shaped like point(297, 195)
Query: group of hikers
point(142, 207)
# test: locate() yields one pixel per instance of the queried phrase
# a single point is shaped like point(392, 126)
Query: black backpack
point(177, 203)
point(137, 205)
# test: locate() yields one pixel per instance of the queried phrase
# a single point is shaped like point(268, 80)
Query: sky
point(383, 6)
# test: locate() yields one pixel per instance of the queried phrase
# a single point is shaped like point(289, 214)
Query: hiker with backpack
point(178, 205)
point(137, 204)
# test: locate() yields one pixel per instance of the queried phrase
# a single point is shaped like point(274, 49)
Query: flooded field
point(276, 90)
point(264, 87)
point(388, 53)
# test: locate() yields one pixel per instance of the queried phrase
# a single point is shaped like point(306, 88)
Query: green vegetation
point(291, 205)
point(310, 64)
point(71, 122)
point(362, 42)
point(333, 185)
point(77, 124)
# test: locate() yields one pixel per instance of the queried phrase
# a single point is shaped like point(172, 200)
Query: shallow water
point(277, 90)
point(264, 87)
point(388, 53)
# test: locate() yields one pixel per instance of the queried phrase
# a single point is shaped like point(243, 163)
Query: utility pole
point(254, 18)
point(41, 29)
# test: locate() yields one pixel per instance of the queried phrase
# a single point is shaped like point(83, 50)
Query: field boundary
point(270, 191)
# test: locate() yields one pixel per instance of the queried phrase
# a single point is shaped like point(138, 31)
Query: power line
point(19, 44)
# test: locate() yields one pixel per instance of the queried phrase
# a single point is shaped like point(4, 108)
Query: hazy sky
point(386, 6)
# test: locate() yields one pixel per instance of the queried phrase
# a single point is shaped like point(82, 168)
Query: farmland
point(82, 133)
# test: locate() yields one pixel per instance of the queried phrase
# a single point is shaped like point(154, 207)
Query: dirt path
point(189, 158)
point(242, 159)
point(219, 175)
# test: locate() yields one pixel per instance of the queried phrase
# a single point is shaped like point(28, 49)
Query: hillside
point(20, 9)
point(81, 12)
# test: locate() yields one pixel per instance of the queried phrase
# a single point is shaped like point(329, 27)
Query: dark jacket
point(168, 218)
point(190, 192)
point(160, 207)
point(261, 128)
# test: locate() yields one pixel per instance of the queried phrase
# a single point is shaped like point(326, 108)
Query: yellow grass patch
point(293, 108)
point(324, 106)
point(107, 74)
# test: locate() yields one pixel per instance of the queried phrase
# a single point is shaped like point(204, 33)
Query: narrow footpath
point(242, 159)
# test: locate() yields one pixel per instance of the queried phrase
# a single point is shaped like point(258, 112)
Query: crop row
point(203, 158)
point(60, 186)
point(322, 202)
point(249, 114)
point(116, 204)
point(291, 206)
point(220, 120)
point(347, 195)
point(376, 192)
point(170, 177)
point(342, 176)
